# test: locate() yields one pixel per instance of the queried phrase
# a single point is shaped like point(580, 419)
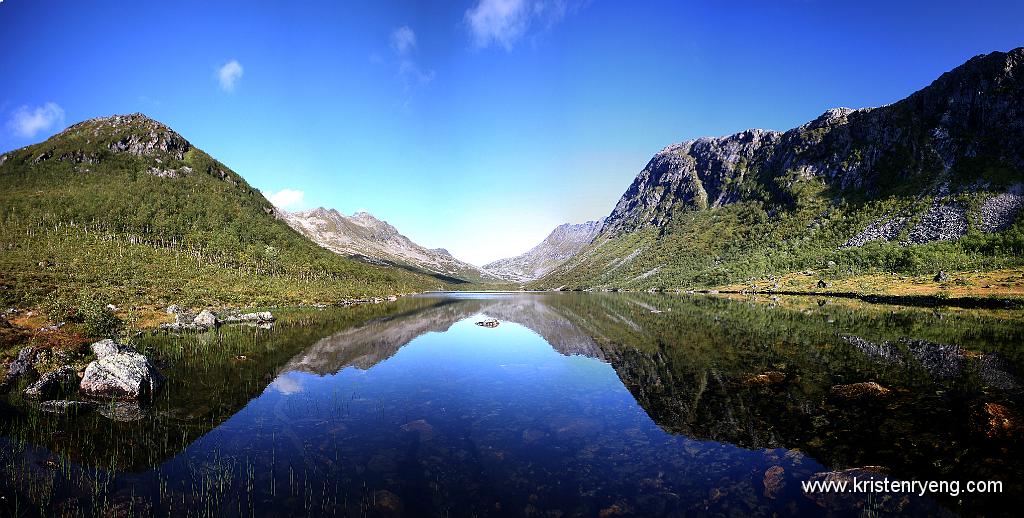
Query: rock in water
point(126, 374)
point(261, 317)
point(490, 322)
point(862, 390)
point(206, 319)
point(66, 407)
point(53, 384)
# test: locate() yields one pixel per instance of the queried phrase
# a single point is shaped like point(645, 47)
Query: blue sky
point(475, 125)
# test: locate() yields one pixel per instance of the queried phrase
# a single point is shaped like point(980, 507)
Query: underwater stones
point(1000, 422)
point(847, 476)
point(125, 374)
point(387, 503)
point(121, 411)
point(421, 427)
point(773, 481)
point(52, 384)
point(862, 390)
point(63, 406)
point(490, 322)
point(765, 379)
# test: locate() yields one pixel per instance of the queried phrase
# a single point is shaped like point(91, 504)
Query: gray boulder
point(23, 365)
point(126, 374)
point(53, 384)
point(206, 319)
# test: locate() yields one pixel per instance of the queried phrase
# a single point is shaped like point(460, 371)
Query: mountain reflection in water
point(575, 405)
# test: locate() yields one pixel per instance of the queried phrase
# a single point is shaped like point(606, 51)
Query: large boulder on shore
point(53, 384)
point(206, 319)
point(23, 365)
point(125, 374)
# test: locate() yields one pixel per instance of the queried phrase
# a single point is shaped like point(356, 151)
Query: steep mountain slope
point(935, 181)
point(562, 243)
point(366, 237)
point(126, 206)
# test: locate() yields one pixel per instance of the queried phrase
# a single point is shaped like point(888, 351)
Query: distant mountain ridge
point(365, 237)
point(934, 181)
point(561, 244)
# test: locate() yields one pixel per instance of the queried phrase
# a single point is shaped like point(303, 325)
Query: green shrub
point(97, 320)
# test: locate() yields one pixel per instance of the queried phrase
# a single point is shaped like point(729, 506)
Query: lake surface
point(574, 405)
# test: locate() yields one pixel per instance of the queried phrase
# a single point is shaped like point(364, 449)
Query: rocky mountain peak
point(134, 133)
point(565, 241)
point(365, 236)
point(974, 110)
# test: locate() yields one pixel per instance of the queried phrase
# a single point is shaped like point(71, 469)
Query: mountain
point(366, 237)
point(126, 207)
point(934, 181)
point(562, 243)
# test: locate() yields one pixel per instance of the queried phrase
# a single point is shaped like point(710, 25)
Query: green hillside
point(126, 207)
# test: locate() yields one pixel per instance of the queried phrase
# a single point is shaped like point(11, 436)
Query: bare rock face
point(126, 374)
point(53, 384)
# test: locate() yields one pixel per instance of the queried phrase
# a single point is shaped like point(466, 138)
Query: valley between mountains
point(919, 197)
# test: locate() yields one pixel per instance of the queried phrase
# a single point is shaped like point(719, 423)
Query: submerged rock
point(121, 411)
point(64, 406)
point(764, 379)
point(53, 384)
point(862, 390)
point(1000, 421)
point(773, 481)
point(125, 374)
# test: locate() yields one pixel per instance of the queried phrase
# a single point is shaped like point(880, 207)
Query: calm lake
point(576, 404)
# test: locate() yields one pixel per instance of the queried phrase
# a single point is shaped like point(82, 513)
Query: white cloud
point(288, 199)
point(403, 40)
point(403, 43)
point(504, 22)
point(229, 74)
point(27, 122)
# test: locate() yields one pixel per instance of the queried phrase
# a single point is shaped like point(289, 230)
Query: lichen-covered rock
point(124, 375)
point(105, 348)
point(53, 384)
